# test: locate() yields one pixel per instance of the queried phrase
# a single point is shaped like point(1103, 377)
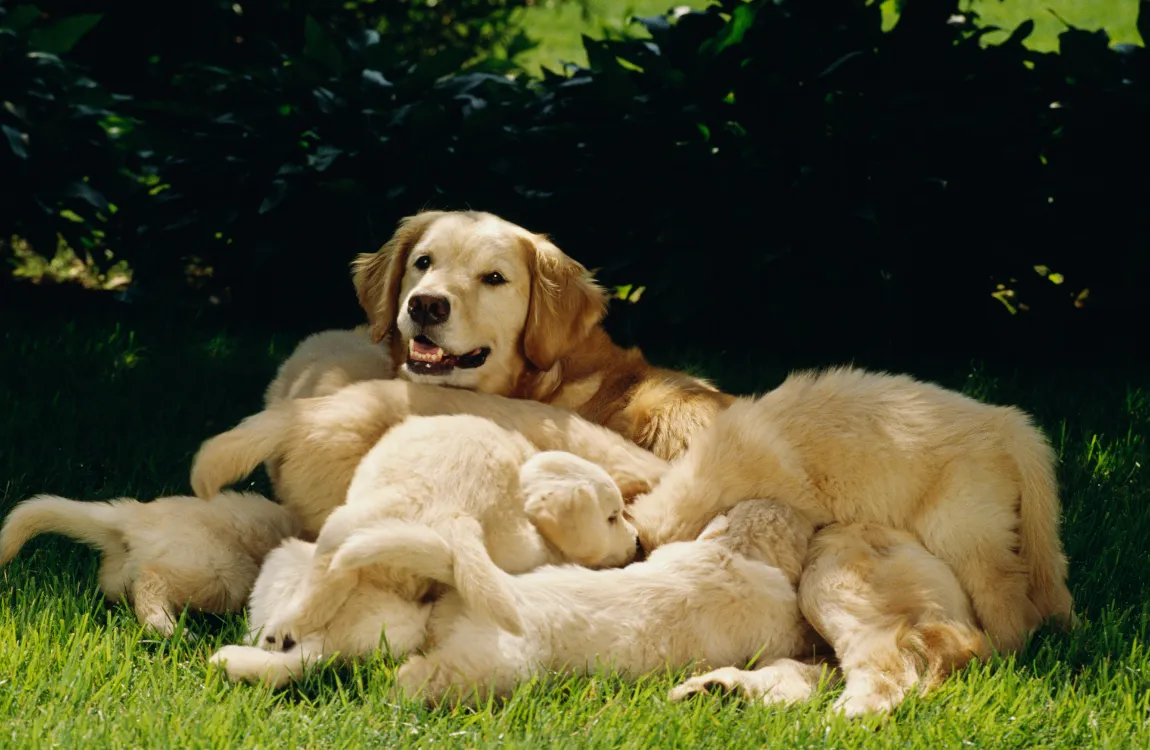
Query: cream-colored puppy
point(377, 614)
point(725, 598)
point(391, 603)
point(897, 615)
point(317, 443)
point(326, 361)
point(163, 555)
point(459, 476)
point(974, 483)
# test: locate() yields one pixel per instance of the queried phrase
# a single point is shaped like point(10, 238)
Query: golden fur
point(163, 555)
point(542, 326)
point(379, 555)
point(324, 362)
point(897, 615)
point(317, 443)
point(727, 597)
point(973, 483)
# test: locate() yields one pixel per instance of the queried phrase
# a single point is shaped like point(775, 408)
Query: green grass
point(93, 410)
point(558, 26)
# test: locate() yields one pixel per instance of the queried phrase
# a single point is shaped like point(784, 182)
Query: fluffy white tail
point(232, 455)
point(96, 524)
point(455, 555)
point(1040, 511)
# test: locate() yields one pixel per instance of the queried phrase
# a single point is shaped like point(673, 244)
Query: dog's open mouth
point(425, 357)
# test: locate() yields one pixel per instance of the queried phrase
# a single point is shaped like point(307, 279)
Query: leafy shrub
point(772, 173)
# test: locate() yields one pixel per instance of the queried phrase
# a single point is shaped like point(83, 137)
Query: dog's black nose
point(426, 309)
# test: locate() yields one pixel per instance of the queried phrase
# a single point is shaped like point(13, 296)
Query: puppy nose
point(427, 309)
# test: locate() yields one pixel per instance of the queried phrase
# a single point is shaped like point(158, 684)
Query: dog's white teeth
point(433, 355)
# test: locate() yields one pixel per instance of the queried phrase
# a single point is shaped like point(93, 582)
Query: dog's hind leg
point(151, 598)
point(895, 614)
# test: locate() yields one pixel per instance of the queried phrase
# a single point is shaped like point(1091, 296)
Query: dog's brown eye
point(423, 262)
point(494, 279)
point(613, 518)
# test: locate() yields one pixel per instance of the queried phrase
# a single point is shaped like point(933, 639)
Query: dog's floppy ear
point(566, 304)
point(377, 276)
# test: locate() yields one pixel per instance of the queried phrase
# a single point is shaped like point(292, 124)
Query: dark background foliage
point(775, 175)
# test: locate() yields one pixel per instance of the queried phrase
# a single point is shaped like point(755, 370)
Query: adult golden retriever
point(469, 300)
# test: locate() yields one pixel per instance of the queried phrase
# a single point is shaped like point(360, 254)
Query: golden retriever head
point(473, 300)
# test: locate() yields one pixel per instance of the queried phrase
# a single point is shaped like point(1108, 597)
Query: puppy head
point(474, 299)
point(578, 508)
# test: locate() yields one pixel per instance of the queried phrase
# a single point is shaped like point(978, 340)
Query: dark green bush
point(775, 174)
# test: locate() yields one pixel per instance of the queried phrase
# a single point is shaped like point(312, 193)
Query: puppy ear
point(378, 276)
point(566, 304)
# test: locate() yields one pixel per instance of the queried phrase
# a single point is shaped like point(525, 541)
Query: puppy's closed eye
point(613, 518)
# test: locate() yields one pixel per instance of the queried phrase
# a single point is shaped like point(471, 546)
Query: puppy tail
point(481, 583)
point(401, 545)
point(234, 454)
point(1039, 516)
point(96, 524)
point(455, 556)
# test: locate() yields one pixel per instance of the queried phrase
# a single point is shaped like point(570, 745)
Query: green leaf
point(733, 32)
point(15, 141)
point(60, 37)
point(319, 46)
point(1143, 22)
point(22, 16)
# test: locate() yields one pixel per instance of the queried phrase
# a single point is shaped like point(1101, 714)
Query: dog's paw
point(239, 663)
point(855, 705)
point(726, 678)
point(279, 634)
point(417, 679)
point(781, 683)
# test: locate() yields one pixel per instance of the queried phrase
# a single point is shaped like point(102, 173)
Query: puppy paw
point(253, 665)
point(417, 679)
point(727, 678)
point(781, 683)
point(854, 705)
point(279, 634)
point(239, 663)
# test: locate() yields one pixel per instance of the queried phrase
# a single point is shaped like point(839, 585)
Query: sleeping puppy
point(469, 300)
point(163, 555)
point(316, 444)
point(725, 598)
point(559, 489)
point(898, 614)
point(973, 483)
point(458, 475)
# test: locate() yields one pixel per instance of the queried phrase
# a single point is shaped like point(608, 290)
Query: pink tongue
point(423, 348)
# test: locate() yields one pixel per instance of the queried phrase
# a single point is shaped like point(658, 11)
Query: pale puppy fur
point(317, 443)
point(724, 598)
point(324, 362)
point(973, 483)
point(165, 554)
point(392, 600)
point(897, 614)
